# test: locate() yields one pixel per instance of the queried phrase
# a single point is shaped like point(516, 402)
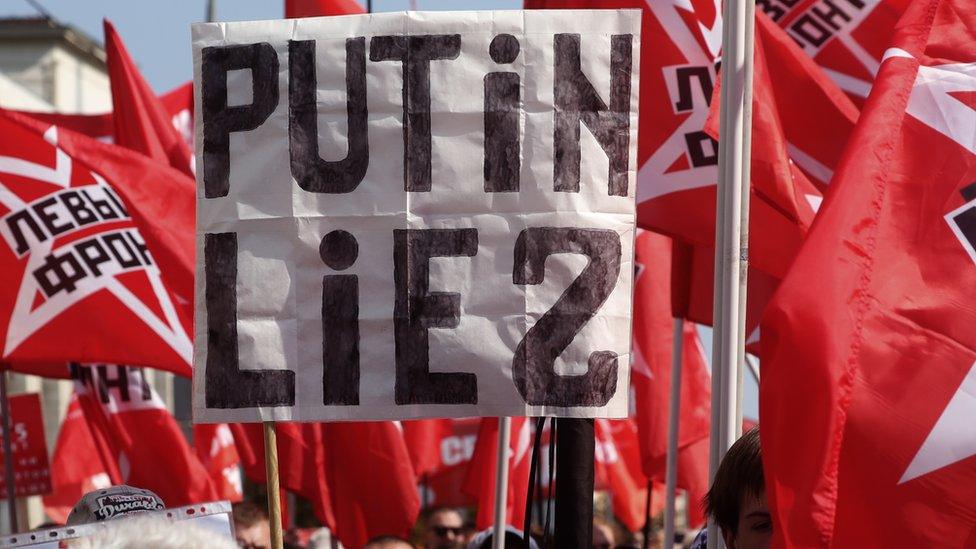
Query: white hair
point(140, 532)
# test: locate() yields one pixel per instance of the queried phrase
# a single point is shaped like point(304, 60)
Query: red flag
point(617, 468)
point(479, 481)
point(301, 462)
point(138, 440)
point(214, 445)
point(651, 379)
point(444, 485)
point(846, 38)
point(315, 8)
point(76, 467)
point(92, 231)
point(868, 371)
point(140, 120)
point(178, 103)
point(371, 480)
point(423, 440)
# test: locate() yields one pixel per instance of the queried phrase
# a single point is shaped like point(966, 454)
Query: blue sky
point(157, 34)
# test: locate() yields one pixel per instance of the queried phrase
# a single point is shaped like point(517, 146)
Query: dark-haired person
point(737, 498)
point(445, 529)
point(251, 526)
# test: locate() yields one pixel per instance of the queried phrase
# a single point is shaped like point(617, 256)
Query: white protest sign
point(415, 214)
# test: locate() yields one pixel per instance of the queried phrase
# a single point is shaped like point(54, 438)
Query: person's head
point(445, 529)
point(737, 498)
point(251, 526)
point(387, 542)
point(603, 537)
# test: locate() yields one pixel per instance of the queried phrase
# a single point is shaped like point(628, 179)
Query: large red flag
point(137, 438)
point(868, 372)
point(140, 120)
point(371, 480)
point(76, 467)
point(479, 481)
point(314, 8)
point(214, 445)
point(97, 256)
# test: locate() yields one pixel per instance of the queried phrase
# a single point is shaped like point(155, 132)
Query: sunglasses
point(443, 531)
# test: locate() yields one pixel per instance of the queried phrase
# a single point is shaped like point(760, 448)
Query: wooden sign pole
point(274, 495)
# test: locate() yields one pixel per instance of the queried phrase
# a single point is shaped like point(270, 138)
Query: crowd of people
point(736, 503)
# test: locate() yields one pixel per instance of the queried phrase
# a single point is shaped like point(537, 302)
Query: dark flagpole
point(574, 484)
point(8, 456)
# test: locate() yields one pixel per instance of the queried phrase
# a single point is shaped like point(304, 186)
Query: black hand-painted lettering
point(219, 119)
point(340, 321)
point(226, 385)
point(533, 365)
point(577, 101)
point(339, 250)
point(340, 340)
point(416, 309)
point(415, 53)
point(311, 172)
point(502, 147)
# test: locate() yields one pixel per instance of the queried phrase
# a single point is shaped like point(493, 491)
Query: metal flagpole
point(211, 11)
point(501, 481)
point(730, 252)
point(749, 22)
point(674, 413)
point(274, 493)
point(8, 455)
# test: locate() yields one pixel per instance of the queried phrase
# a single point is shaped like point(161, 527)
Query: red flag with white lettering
point(76, 467)
point(137, 437)
point(444, 485)
point(868, 374)
point(96, 251)
point(140, 120)
point(214, 445)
